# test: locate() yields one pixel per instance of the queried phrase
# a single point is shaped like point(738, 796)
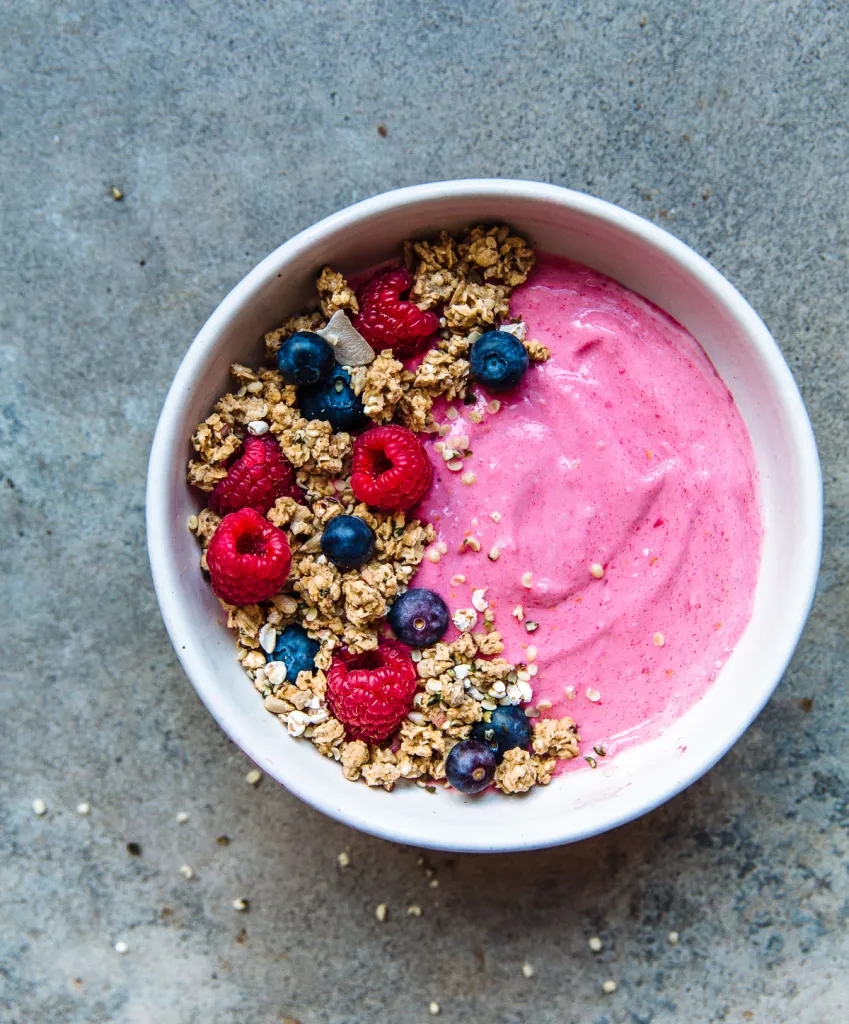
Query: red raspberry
point(386, 321)
point(391, 470)
point(370, 693)
point(248, 558)
point(259, 476)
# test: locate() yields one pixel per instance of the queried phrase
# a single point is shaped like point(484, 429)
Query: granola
point(468, 281)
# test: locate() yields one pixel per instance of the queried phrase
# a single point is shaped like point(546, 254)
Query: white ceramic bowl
point(649, 261)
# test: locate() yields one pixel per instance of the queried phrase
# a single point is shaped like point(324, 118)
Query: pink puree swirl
point(625, 449)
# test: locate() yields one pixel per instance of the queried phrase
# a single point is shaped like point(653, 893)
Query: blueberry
point(498, 360)
point(306, 359)
point(348, 542)
point(296, 650)
point(419, 618)
point(470, 766)
point(508, 728)
point(334, 401)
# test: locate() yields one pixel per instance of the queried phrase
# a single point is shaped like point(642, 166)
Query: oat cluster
point(461, 683)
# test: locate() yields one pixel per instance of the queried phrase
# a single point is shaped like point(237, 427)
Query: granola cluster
point(469, 280)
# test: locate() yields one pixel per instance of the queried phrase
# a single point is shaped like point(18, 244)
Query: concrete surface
point(229, 127)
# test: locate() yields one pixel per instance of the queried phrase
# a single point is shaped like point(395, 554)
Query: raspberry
point(248, 558)
point(258, 477)
point(370, 693)
point(386, 321)
point(391, 470)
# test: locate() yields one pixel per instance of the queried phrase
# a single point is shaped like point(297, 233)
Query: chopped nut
point(593, 695)
point(465, 619)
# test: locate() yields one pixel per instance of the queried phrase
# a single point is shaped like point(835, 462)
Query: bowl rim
point(165, 449)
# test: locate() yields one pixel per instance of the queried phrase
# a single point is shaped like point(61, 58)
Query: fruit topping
point(391, 469)
point(248, 558)
point(306, 359)
point(295, 650)
point(348, 542)
point(335, 402)
point(508, 727)
point(470, 766)
point(370, 693)
point(256, 479)
point(498, 360)
point(387, 321)
point(419, 617)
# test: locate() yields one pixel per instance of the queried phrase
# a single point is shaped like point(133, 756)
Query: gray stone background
point(228, 127)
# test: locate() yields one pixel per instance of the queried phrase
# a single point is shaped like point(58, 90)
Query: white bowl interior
point(645, 259)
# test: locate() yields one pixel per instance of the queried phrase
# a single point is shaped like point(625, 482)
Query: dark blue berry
point(306, 359)
point(296, 650)
point(419, 618)
point(334, 401)
point(498, 360)
point(470, 766)
point(508, 728)
point(348, 542)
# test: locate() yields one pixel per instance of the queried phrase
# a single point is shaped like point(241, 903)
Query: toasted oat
point(334, 293)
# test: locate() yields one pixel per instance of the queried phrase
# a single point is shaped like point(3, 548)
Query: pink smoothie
point(625, 451)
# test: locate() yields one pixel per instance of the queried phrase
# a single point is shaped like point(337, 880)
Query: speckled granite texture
point(229, 127)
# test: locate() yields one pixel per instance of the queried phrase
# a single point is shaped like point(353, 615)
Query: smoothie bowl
point(502, 490)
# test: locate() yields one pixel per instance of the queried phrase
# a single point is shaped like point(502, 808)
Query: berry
point(306, 359)
point(498, 360)
point(348, 542)
point(335, 402)
point(386, 321)
point(256, 479)
point(508, 728)
point(419, 618)
point(296, 650)
point(470, 766)
point(370, 693)
point(391, 470)
point(248, 558)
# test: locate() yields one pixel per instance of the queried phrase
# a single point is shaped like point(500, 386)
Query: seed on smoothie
point(532, 653)
point(469, 478)
point(448, 453)
point(519, 613)
point(593, 695)
point(544, 705)
point(528, 580)
point(597, 570)
point(442, 547)
point(475, 416)
point(472, 543)
point(493, 554)
point(569, 692)
point(439, 446)
point(495, 517)
point(531, 626)
point(479, 602)
point(600, 749)
point(457, 579)
point(493, 406)
point(432, 555)
point(452, 414)
point(455, 465)
point(461, 442)
point(658, 640)
point(591, 761)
